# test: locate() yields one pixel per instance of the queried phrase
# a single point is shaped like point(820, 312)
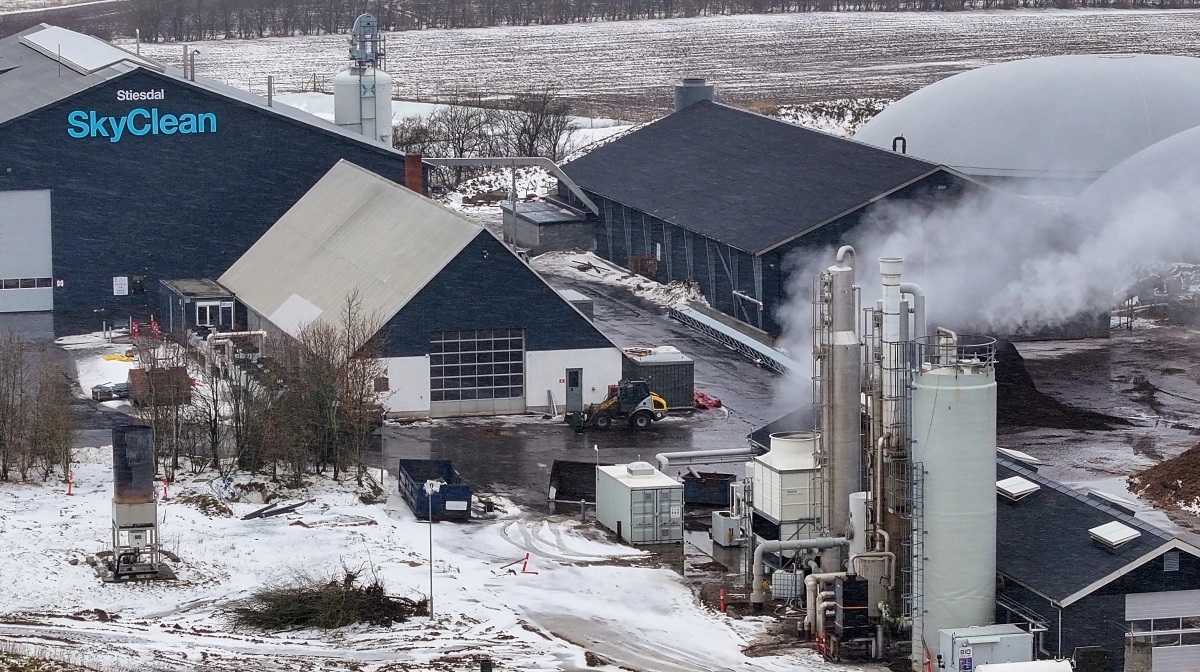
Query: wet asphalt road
point(513, 456)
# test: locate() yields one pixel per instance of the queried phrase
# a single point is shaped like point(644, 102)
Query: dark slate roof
point(797, 421)
point(1042, 541)
point(741, 178)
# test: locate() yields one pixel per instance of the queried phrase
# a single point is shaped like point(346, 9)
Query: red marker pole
point(165, 496)
point(71, 484)
point(722, 600)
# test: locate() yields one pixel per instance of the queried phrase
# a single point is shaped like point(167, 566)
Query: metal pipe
point(751, 299)
point(841, 255)
point(919, 330)
point(721, 455)
point(890, 269)
point(810, 595)
point(756, 596)
point(822, 609)
point(887, 555)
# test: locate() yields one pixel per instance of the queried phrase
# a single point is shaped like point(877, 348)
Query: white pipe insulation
point(919, 330)
point(757, 598)
point(718, 456)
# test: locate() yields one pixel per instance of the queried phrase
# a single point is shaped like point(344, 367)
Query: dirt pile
point(1173, 483)
point(1019, 404)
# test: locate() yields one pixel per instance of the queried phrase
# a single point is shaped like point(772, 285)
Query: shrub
point(307, 602)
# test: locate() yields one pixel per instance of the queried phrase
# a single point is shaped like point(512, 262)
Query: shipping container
point(670, 373)
point(640, 503)
point(451, 502)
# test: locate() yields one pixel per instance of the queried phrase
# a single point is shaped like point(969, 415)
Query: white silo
point(954, 488)
point(362, 95)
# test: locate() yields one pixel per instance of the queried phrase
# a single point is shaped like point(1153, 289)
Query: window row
point(475, 370)
point(438, 347)
point(26, 283)
point(475, 382)
point(485, 393)
point(477, 357)
point(1166, 631)
point(475, 334)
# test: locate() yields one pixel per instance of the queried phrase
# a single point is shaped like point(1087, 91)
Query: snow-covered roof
point(354, 230)
point(646, 477)
point(1068, 117)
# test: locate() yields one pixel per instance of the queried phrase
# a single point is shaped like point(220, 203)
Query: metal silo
point(362, 95)
point(954, 487)
point(840, 364)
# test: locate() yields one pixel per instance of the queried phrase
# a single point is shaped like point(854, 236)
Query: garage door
point(26, 266)
point(476, 372)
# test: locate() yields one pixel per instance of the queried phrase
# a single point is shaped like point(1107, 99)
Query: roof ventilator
point(1114, 535)
point(1016, 488)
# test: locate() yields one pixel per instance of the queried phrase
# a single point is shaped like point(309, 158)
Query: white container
point(640, 503)
point(726, 529)
point(1032, 666)
point(954, 442)
point(785, 480)
point(968, 648)
point(786, 585)
point(362, 102)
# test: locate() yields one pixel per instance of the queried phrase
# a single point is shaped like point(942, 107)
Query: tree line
point(185, 20)
point(36, 427)
point(305, 405)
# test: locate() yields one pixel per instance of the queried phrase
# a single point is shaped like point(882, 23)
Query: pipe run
point(841, 255)
point(757, 598)
point(719, 456)
point(918, 302)
point(811, 584)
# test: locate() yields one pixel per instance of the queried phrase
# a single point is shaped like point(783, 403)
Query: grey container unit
point(640, 503)
point(671, 374)
point(195, 303)
point(546, 226)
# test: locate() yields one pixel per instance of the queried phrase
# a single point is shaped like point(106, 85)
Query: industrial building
point(1046, 125)
point(117, 172)
point(1081, 570)
point(467, 328)
point(723, 197)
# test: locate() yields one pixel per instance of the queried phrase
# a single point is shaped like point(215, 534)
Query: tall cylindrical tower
point(841, 423)
point(954, 488)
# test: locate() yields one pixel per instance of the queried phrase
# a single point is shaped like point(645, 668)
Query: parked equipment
point(629, 400)
point(451, 502)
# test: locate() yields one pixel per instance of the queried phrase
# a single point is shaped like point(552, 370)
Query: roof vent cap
point(1016, 488)
point(1114, 535)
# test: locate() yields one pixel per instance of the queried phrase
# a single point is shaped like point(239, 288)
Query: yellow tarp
point(118, 358)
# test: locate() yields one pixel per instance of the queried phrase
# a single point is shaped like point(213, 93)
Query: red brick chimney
point(414, 173)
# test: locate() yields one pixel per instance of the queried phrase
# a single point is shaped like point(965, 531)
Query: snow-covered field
point(587, 594)
point(630, 65)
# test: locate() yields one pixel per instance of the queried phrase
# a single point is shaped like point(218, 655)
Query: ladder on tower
point(915, 547)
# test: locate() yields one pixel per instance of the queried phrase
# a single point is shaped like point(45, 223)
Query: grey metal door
point(670, 515)
point(26, 254)
point(643, 516)
point(574, 390)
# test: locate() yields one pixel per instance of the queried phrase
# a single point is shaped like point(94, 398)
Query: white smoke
point(996, 263)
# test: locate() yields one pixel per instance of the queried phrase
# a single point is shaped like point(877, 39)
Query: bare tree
point(14, 383)
point(539, 124)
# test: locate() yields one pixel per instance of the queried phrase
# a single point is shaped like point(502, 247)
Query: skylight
point(1016, 488)
point(1019, 456)
point(1114, 534)
point(82, 53)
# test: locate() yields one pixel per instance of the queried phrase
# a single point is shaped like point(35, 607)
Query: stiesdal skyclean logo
point(138, 121)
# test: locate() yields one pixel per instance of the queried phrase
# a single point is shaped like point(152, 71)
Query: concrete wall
point(547, 370)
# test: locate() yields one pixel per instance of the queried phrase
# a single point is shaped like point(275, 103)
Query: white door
point(26, 255)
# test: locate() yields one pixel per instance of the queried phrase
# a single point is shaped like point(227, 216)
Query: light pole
point(431, 487)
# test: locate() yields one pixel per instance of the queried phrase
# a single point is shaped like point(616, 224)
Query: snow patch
point(588, 267)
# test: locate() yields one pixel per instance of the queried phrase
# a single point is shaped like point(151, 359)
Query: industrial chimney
point(691, 90)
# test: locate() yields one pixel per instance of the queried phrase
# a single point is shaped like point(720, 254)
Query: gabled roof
point(354, 230)
point(740, 178)
point(31, 78)
point(1043, 543)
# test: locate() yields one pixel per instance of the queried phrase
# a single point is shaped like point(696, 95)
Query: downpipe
point(757, 597)
point(811, 584)
point(918, 302)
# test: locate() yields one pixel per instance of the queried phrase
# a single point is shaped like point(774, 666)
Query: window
point(381, 384)
point(1171, 561)
point(477, 364)
point(208, 314)
point(25, 283)
point(1165, 631)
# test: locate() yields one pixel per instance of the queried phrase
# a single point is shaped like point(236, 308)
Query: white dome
point(1063, 117)
point(1166, 174)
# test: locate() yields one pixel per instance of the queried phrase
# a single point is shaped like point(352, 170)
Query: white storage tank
point(640, 503)
point(362, 102)
point(954, 456)
point(968, 648)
